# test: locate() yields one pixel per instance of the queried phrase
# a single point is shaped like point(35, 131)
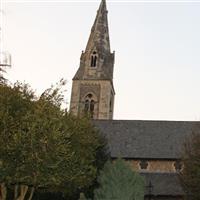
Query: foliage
point(43, 146)
point(190, 175)
point(87, 146)
point(118, 181)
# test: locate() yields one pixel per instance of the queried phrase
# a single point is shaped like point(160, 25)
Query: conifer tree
point(118, 181)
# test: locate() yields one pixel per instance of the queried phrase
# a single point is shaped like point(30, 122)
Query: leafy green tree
point(190, 175)
point(118, 181)
point(43, 146)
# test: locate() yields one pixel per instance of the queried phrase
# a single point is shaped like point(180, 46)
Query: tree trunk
point(3, 191)
point(16, 191)
point(31, 193)
point(23, 191)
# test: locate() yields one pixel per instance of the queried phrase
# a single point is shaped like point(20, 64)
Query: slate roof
point(145, 139)
point(164, 184)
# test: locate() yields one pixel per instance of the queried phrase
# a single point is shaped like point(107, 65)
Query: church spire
point(92, 89)
point(99, 36)
point(97, 61)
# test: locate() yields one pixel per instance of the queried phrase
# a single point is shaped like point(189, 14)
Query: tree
point(190, 175)
point(118, 181)
point(43, 146)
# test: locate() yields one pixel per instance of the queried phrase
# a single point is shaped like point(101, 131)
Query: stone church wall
point(166, 166)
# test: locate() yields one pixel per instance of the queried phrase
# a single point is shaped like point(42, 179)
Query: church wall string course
point(153, 148)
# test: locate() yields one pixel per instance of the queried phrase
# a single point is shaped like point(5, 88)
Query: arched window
point(93, 59)
point(92, 106)
point(86, 108)
point(89, 105)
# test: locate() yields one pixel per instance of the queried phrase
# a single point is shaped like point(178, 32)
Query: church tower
point(92, 88)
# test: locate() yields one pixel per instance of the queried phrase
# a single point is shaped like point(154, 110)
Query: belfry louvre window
point(93, 59)
point(89, 105)
point(86, 108)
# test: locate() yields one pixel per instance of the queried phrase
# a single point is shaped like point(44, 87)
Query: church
point(153, 148)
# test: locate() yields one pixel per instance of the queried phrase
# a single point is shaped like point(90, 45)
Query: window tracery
point(89, 105)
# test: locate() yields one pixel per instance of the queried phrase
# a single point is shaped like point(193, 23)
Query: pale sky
point(157, 45)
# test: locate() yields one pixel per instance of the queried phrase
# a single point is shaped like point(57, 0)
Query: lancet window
point(93, 59)
point(89, 105)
